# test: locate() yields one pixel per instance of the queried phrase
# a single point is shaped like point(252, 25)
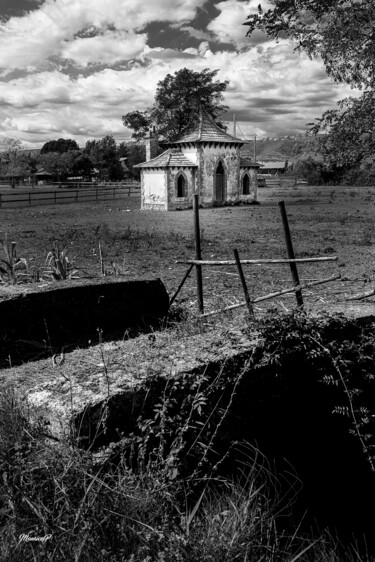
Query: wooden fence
point(37, 197)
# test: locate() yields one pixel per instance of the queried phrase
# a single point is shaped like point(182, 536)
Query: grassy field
point(324, 221)
point(94, 509)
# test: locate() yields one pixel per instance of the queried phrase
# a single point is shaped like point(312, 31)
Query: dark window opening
point(246, 185)
point(181, 186)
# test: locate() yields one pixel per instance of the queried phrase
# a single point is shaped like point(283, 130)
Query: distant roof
point(247, 163)
point(170, 158)
point(207, 131)
point(274, 165)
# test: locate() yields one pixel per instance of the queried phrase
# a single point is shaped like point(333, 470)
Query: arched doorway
point(246, 185)
point(219, 183)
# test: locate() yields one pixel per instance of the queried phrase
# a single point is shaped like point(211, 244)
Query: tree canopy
point(60, 146)
point(104, 155)
point(342, 33)
point(177, 101)
point(13, 159)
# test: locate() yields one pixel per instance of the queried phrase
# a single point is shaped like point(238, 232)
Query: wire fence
point(72, 194)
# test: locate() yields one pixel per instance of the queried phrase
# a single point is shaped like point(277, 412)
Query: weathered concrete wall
point(175, 202)
point(35, 319)
point(154, 188)
point(211, 155)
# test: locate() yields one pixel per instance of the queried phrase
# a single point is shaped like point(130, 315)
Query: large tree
point(177, 102)
point(58, 165)
point(13, 159)
point(104, 155)
point(342, 33)
point(60, 146)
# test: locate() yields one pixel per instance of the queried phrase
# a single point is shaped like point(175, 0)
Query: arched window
point(219, 183)
point(181, 186)
point(246, 185)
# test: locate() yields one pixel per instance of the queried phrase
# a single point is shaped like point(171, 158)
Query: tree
point(104, 155)
point(58, 165)
point(177, 101)
point(13, 159)
point(342, 33)
point(135, 154)
point(349, 137)
point(60, 146)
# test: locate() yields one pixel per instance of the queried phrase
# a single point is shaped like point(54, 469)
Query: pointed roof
point(170, 158)
point(207, 131)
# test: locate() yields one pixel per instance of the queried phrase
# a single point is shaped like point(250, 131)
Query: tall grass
point(93, 507)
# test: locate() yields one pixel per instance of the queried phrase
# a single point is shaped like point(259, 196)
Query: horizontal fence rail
point(68, 195)
point(275, 294)
point(258, 261)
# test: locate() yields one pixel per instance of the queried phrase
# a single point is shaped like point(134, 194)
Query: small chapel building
point(206, 161)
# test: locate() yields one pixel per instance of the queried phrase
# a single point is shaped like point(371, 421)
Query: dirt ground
point(324, 221)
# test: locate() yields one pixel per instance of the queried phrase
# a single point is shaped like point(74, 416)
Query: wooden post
point(289, 247)
point(29, 198)
point(55, 196)
point(181, 284)
point(243, 282)
point(1, 203)
point(198, 253)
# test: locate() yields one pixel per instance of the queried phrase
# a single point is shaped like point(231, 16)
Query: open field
point(324, 221)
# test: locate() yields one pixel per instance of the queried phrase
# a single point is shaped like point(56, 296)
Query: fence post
point(291, 256)
point(243, 282)
point(1, 202)
point(114, 191)
point(77, 195)
point(29, 198)
point(198, 253)
point(96, 194)
point(55, 197)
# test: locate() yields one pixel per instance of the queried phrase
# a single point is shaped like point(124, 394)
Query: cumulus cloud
point(35, 37)
point(228, 25)
point(52, 85)
point(110, 48)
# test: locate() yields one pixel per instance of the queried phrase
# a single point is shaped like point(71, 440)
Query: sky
point(72, 68)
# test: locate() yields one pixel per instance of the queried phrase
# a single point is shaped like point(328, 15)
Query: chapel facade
point(206, 161)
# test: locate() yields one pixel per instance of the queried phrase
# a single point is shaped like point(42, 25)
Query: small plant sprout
point(59, 265)
point(13, 270)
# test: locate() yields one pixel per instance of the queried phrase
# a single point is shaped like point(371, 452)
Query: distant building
point(274, 168)
point(206, 161)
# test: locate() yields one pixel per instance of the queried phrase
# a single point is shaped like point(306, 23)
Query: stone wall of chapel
point(175, 202)
point(211, 154)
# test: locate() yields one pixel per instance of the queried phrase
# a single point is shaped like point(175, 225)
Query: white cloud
point(271, 89)
point(109, 48)
point(228, 25)
point(42, 33)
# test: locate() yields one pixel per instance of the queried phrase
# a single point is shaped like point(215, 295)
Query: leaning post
point(198, 253)
point(290, 250)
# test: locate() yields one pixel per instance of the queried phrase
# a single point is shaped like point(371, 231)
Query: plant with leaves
point(177, 102)
point(13, 269)
point(58, 264)
point(342, 33)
